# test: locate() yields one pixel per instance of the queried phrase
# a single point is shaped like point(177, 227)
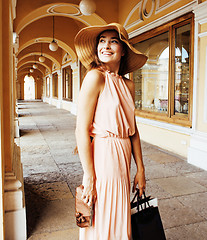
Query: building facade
point(170, 89)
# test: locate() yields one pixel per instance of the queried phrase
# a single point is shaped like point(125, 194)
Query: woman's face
point(110, 48)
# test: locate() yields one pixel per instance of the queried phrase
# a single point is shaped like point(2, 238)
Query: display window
point(55, 85)
point(67, 84)
point(163, 86)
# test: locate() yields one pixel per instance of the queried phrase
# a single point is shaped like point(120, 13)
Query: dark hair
point(97, 64)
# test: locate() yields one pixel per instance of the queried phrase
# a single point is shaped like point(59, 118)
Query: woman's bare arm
point(92, 86)
point(136, 151)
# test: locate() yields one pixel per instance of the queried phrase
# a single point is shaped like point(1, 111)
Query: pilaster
point(197, 152)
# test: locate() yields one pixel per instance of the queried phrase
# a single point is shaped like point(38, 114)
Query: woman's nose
point(107, 45)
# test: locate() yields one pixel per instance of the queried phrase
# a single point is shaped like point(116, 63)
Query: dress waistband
point(109, 135)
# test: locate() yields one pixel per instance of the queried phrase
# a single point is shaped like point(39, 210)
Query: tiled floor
point(52, 171)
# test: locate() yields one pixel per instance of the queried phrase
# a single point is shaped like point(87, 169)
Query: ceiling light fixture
point(41, 58)
point(35, 65)
point(53, 45)
point(87, 7)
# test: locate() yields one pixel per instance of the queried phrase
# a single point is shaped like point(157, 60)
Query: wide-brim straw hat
point(86, 40)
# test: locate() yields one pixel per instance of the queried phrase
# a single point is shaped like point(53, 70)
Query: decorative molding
point(172, 15)
point(200, 12)
point(204, 34)
point(145, 13)
point(138, 8)
point(53, 10)
point(166, 5)
point(66, 58)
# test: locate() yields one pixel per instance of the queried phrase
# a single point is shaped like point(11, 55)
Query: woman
point(106, 112)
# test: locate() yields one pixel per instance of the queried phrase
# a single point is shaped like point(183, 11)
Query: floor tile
point(70, 234)
point(196, 202)
point(196, 231)
point(174, 214)
point(180, 185)
point(52, 191)
point(55, 216)
point(162, 157)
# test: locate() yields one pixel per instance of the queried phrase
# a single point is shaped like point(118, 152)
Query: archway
point(29, 88)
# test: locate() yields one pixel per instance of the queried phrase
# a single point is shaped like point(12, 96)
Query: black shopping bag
point(145, 219)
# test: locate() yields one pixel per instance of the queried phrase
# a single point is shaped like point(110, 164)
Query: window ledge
point(163, 125)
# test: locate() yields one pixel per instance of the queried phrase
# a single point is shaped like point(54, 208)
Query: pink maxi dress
point(112, 126)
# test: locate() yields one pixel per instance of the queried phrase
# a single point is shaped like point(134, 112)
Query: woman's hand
point(140, 180)
point(89, 192)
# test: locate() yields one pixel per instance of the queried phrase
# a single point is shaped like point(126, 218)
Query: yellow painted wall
point(172, 141)
point(1, 143)
point(201, 122)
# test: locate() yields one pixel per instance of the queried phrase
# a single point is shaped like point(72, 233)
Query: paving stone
point(162, 157)
point(47, 177)
point(196, 231)
point(178, 186)
point(41, 165)
point(174, 214)
point(52, 191)
point(196, 202)
point(70, 234)
point(183, 167)
point(159, 171)
point(55, 216)
point(198, 177)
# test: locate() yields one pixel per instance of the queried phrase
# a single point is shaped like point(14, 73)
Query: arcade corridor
point(51, 173)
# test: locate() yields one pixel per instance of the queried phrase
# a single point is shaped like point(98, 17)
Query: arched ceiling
point(34, 28)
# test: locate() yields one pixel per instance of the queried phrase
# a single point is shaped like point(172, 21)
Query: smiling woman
point(106, 113)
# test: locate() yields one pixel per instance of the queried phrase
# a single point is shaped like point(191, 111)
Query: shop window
point(67, 84)
point(163, 86)
point(55, 85)
point(47, 87)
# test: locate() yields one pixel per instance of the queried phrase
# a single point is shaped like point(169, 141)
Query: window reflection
point(182, 49)
point(151, 81)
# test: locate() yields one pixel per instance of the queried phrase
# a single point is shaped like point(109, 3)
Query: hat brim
point(85, 44)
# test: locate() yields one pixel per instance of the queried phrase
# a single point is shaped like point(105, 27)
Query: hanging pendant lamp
point(41, 58)
point(53, 45)
point(87, 7)
point(35, 65)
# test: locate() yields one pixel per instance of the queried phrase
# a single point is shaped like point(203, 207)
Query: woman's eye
point(114, 41)
point(101, 40)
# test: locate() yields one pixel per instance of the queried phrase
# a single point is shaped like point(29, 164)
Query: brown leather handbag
point(84, 213)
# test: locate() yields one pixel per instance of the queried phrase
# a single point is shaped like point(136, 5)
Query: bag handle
point(141, 200)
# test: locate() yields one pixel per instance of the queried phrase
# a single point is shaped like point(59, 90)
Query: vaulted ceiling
point(33, 26)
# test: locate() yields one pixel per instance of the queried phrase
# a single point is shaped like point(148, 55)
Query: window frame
point(53, 85)
point(170, 27)
point(70, 84)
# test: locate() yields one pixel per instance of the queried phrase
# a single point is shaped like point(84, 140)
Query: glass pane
point(151, 81)
point(182, 53)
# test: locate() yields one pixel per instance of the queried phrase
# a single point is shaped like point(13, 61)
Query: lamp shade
point(53, 46)
point(87, 7)
point(35, 66)
point(41, 58)
point(31, 70)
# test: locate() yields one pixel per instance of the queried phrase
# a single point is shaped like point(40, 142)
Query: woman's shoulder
point(94, 79)
point(95, 75)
